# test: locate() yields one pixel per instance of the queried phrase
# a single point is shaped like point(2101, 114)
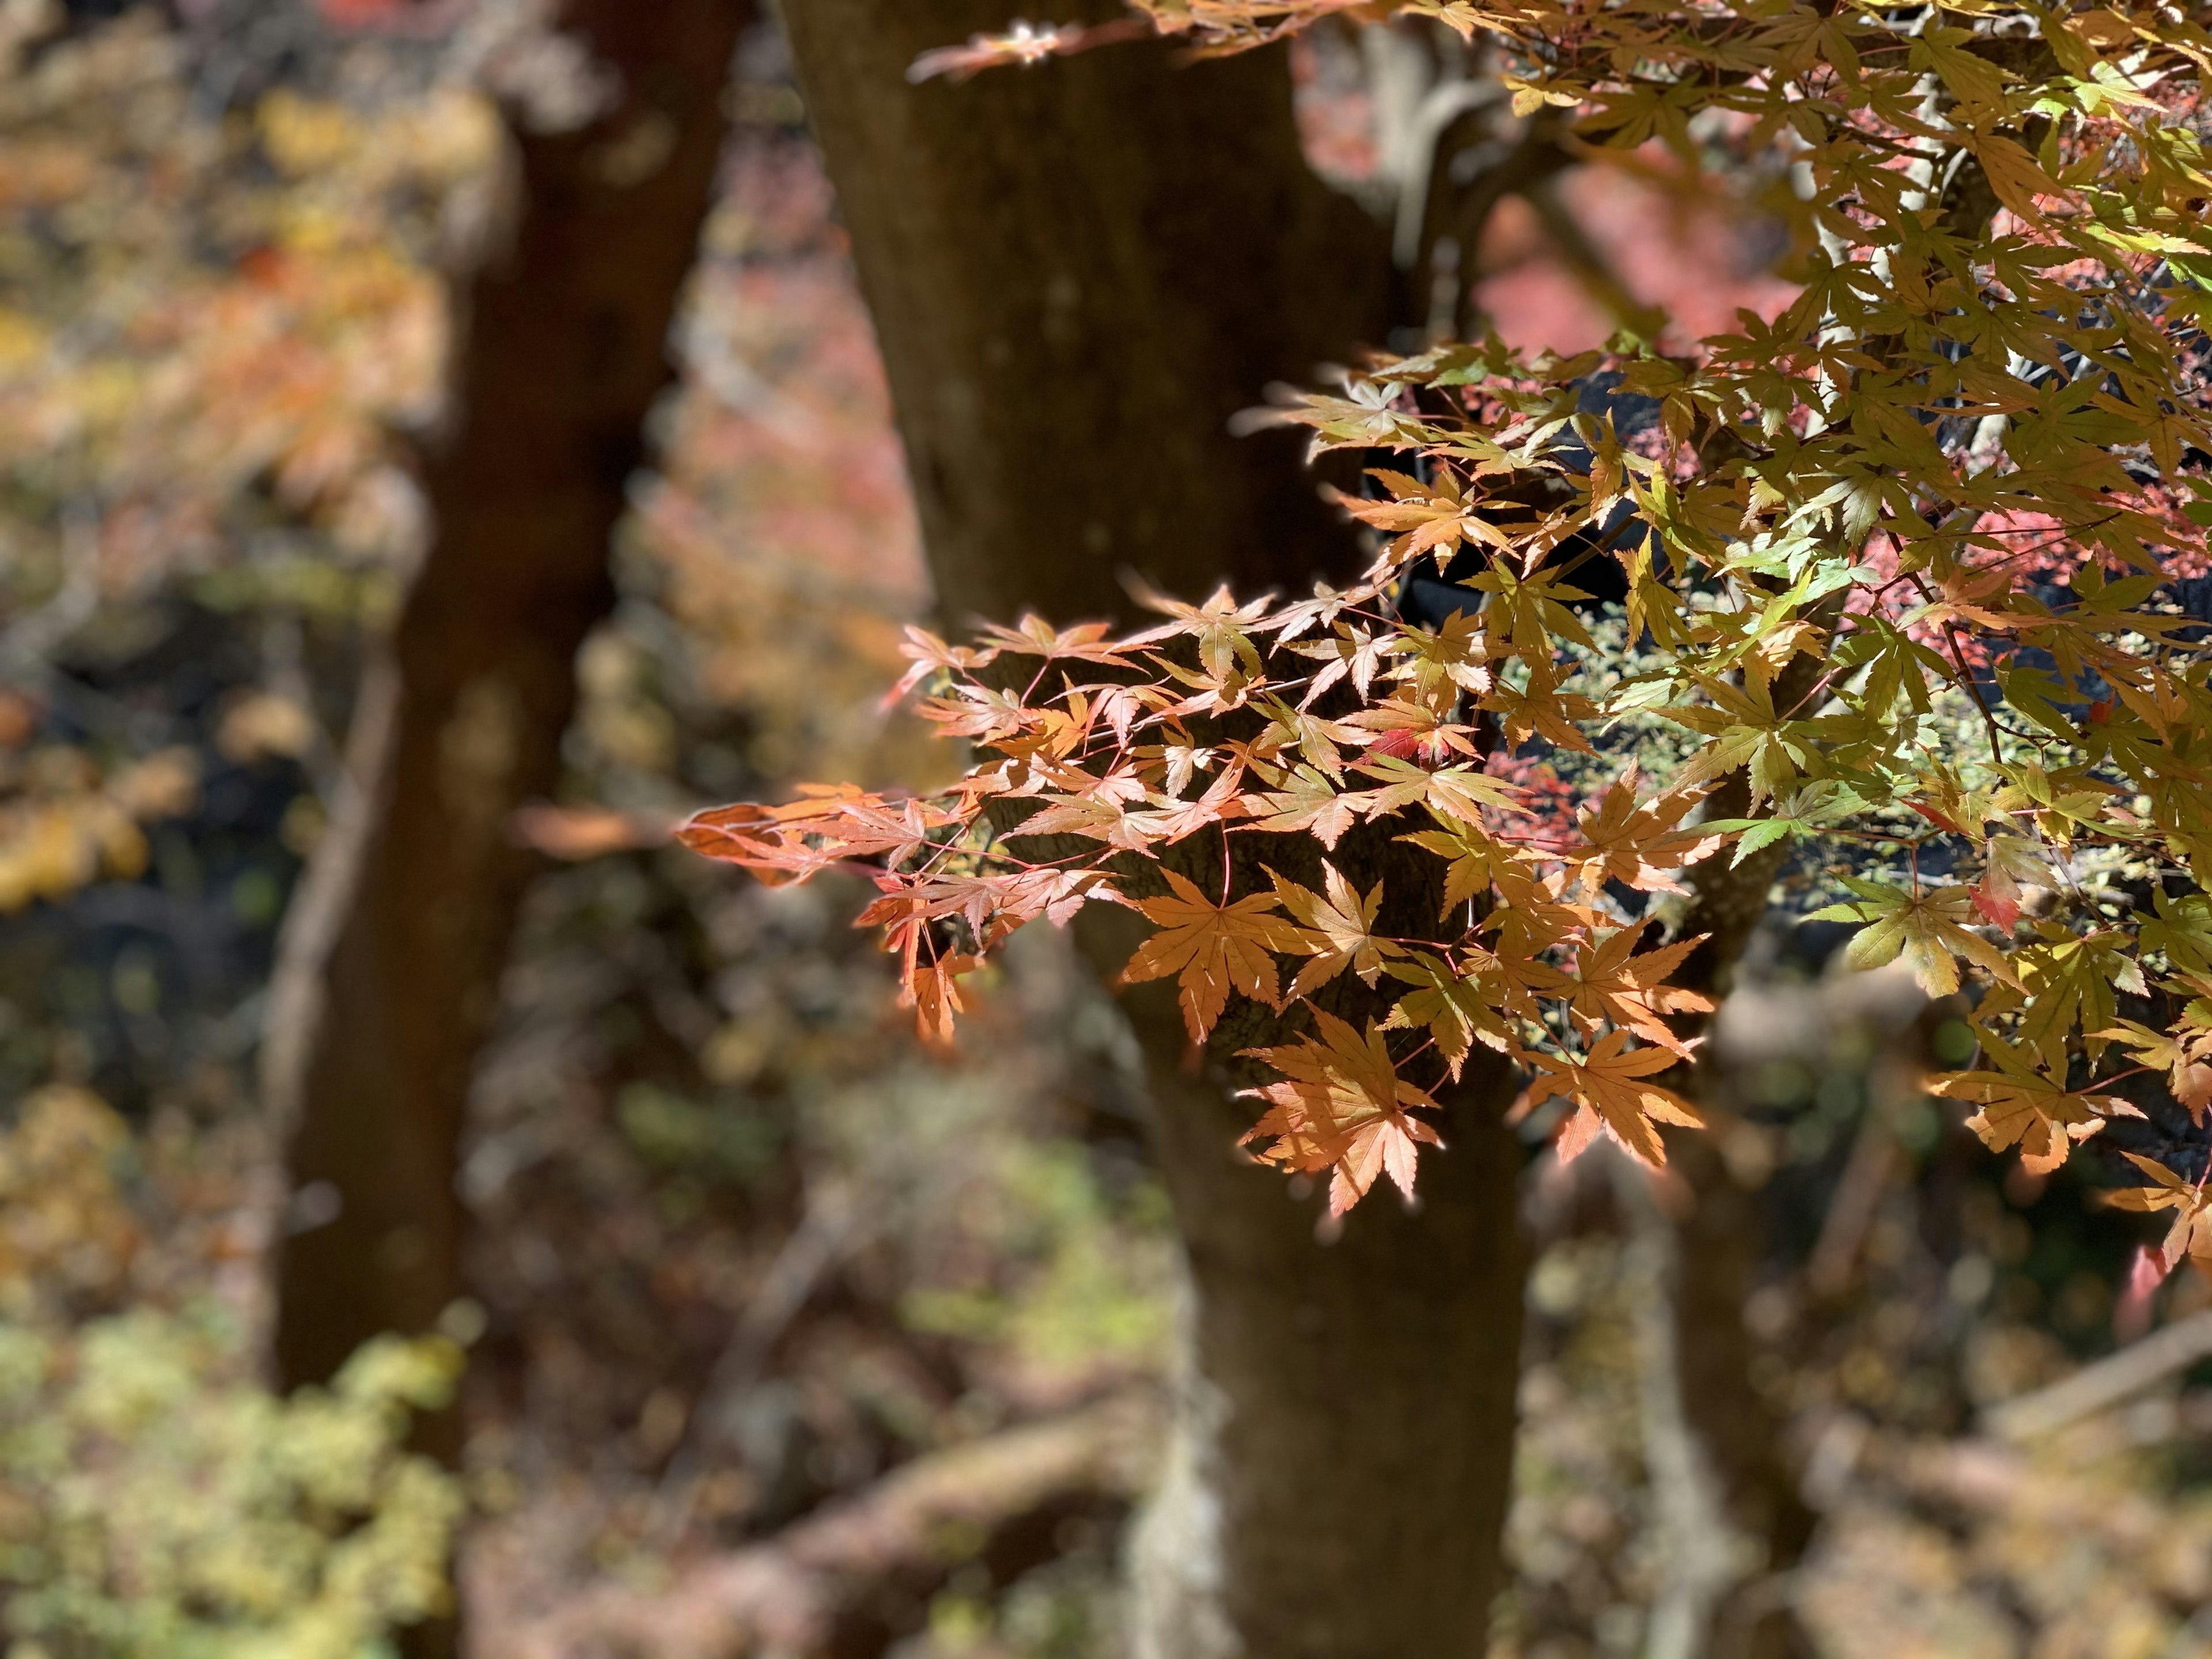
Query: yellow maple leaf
point(2028, 1108)
point(1340, 930)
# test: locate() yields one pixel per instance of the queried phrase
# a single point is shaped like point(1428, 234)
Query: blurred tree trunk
point(390, 965)
point(1734, 1432)
point(1078, 274)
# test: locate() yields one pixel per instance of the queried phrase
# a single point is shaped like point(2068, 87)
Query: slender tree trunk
point(390, 966)
point(1079, 273)
point(1735, 1435)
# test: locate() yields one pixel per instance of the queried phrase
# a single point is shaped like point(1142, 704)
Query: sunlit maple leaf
point(1458, 1008)
point(1423, 517)
point(1340, 930)
point(2030, 1108)
point(1638, 845)
point(1309, 801)
point(2191, 1232)
point(1341, 1106)
point(1356, 651)
point(1171, 820)
point(1611, 1092)
point(927, 654)
point(1471, 856)
point(827, 825)
point(1212, 949)
point(2184, 1054)
point(1609, 984)
point(1930, 927)
point(933, 992)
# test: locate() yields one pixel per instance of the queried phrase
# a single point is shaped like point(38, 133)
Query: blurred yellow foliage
point(63, 825)
point(155, 1501)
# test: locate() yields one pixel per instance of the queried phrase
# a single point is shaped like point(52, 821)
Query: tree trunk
point(1735, 1433)
point(389, 969)
point(1079, 273)
point(1342, 1451)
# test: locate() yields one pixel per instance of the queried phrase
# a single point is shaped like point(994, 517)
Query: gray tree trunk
point(1078, 274)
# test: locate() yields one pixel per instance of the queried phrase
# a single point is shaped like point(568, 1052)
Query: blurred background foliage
point(745, 1259)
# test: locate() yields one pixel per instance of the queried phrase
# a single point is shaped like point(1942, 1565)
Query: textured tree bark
point(1078, 274)
point(1342, 1454)
point(390, 965)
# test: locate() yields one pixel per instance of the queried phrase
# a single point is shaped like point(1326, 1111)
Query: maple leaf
point(2033, 1108)
point(1456, 654)
point(1609, 984)
point(1531, 918)
point(1221, 627)
point(1635, 844)
point(1405, 730)
point(1423, 517)
point(1451, 793)
point(1211, 948)
point(2191, 1232)
point(1341, 1106)
point(927, 654)
point(1340, 930)
point(1928, 926)
point(827, 825)
point(1471, 856)
point(1033, 636)
point(1459, 1009)
point(1348, 650)
point(2182, 930)
point(1610, 1092)
point(1315, 739)
point(1541, 708)
point(1174, 819)
point(2009, 860)
point(2184, 1053)
point(1309, 801)
point(932, 992)
point(2070, 981)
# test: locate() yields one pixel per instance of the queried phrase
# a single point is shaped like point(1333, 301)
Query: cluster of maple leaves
point(1960, 475)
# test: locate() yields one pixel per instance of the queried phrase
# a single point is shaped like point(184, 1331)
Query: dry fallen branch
point(847, 1582)
point(2108, 1382)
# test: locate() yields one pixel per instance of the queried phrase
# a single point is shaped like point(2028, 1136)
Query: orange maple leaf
point(1340, 930)
point(1609, 984)
point(1211, 948)
point(828, 825)
point(1608, 1090)
point(2191, 1232)
point(1637, 844)
point(2029, 1107)
point(1341, 1106)
point(932, 993)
